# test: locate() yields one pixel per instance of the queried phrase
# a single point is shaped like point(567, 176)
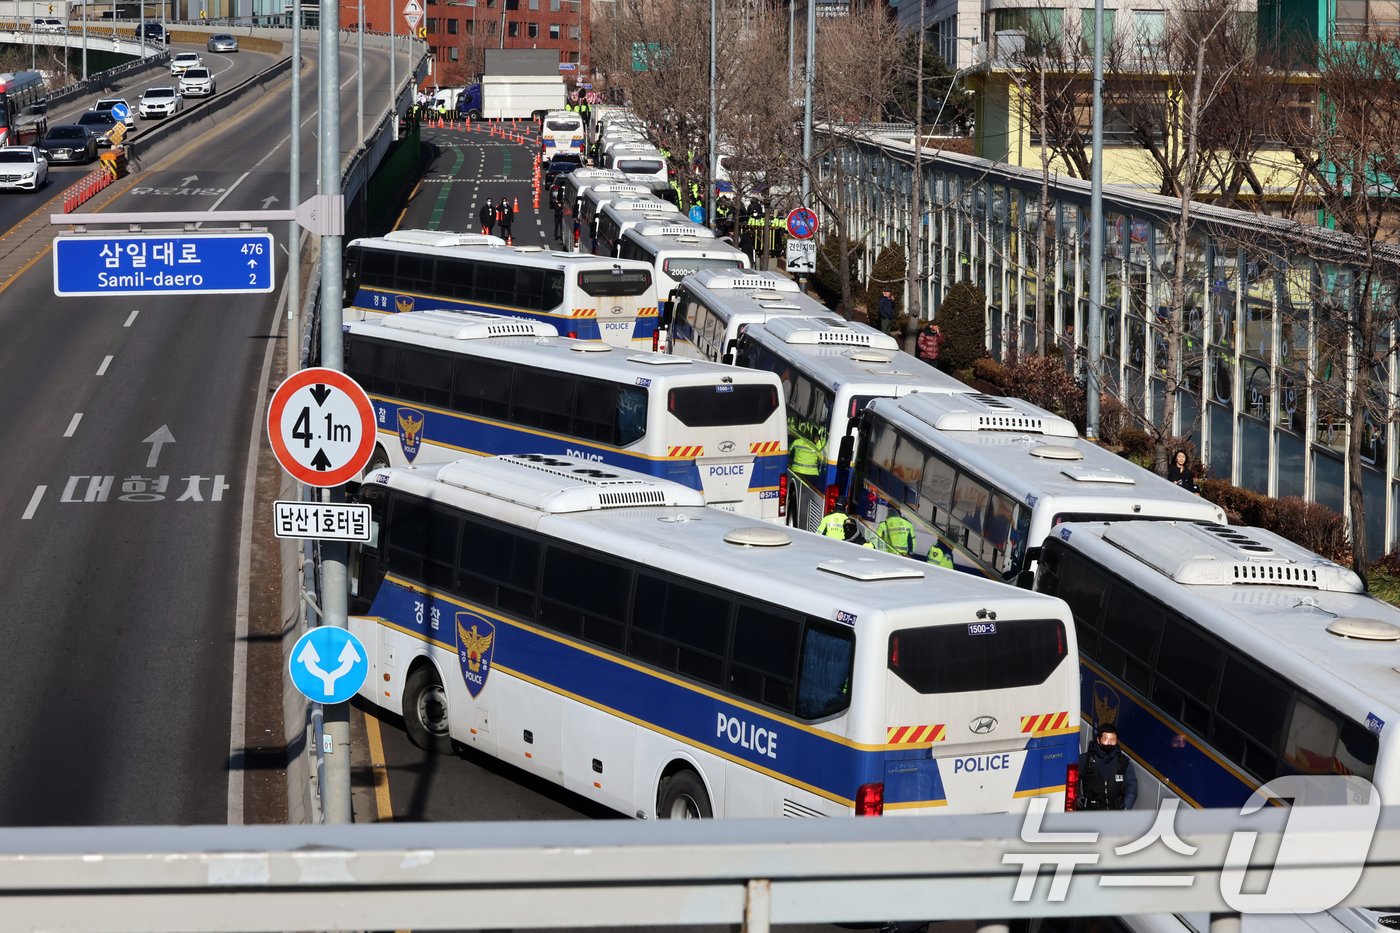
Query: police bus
point(581, 296)
point(1230, 657)
point(622, 215)
point(986, 479)
point(706, 313)
point(574, 184)
point(445, 384)
point(677, 248)
point(830, 370)
point(561, 131)
point(605, 631)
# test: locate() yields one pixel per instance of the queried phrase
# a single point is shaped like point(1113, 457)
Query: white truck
point(518, 84)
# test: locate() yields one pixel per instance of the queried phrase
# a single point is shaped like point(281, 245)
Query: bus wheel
point(683, 797)
point(425, 711)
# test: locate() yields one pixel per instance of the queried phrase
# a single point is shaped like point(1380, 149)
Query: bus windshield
point(689, 265)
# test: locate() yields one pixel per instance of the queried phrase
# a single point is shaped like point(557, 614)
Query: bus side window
point(936, 491)
point(631, 415)
point(367, 570)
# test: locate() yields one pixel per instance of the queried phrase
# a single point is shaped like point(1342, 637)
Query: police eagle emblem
point(410, 432)
point(474, 650)
point(403, 303)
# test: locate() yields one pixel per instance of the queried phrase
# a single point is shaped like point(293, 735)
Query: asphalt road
point(122, 554)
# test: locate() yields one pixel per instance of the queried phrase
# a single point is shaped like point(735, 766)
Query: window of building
point(512, 4)
point(554, 5)
point(554, 30)
point(513, 30)
point(432, 26)
point(1086, 30)
point(573, 32)
point(452, 53)
point(534, 4)
point(1150, 27)
point(452, 26)
point(532, 30)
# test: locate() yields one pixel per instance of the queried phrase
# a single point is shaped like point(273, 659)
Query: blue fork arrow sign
point(163, 264)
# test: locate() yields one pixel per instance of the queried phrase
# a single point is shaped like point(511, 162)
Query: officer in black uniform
point(1107, 780)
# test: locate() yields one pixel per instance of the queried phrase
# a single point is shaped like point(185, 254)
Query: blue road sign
point(328, 665)
point(697, 214)
point(121, 111)
point(162, 264)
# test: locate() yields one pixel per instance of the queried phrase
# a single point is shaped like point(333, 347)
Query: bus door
point(735, 434)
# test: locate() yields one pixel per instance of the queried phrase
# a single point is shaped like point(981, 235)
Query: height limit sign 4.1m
point(321, 427)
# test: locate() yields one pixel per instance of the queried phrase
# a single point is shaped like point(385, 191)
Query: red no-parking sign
point(321, 426)
point(802, 223)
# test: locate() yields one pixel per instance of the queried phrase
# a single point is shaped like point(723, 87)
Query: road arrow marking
point(185, 182)
point(268, 201)
point(309, 659)
point(158, 439)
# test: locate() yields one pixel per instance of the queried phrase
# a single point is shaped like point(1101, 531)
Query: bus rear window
point(638, 166)
point(615, 282)
point(713, 406)
point(680, 268)
point(978, 655)
point(563, 126)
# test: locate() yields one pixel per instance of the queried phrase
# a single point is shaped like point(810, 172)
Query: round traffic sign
point(697, 214)
point(321, 426)
point(121, 111)
point(802, 223)
point(328, 665)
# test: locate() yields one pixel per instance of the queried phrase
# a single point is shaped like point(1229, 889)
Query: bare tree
point(1350, 156)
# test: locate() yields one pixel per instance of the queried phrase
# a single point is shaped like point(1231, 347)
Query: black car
point(69, 142)
point(154, 32)
point(558, 168)
point(101, 123)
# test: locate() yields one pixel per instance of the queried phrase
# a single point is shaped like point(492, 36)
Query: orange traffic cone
point(516, 208)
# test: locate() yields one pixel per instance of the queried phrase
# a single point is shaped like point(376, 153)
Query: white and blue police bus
point(445, 384)
point(622, 215)
point(705, 314)
point(581, 296)
point(1228, 657)
point(607, 632)
point(677, 248)
point(988, 478)
point(830, 370)
point(561, 131)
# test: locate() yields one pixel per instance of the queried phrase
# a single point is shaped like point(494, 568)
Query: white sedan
point(183, 61)
point(159, 102)
point(23, 167)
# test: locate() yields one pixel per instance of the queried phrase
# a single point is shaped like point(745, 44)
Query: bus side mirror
point(847, 450)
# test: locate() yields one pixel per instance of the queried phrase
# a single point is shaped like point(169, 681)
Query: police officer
point(505, 218)
point(556, 201)
point(939, 557)
point(897, 534)
point(1107, 780)
point(804, 456)
point(834, 524)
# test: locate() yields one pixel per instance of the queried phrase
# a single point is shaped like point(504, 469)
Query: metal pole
point(393, 76)
point(85, 18)
point(714, 109)
point(360, 76)
point(141, 33)
point(335, 796)
point(810, 80)
point(1092, 334)
point(294, 198)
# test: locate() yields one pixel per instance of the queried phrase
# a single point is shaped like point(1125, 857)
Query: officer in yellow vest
point(834, 524)
point(805, 458)
point(897, 534)
point(939, 557)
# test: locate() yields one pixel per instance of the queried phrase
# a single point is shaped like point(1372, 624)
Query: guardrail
point(755, 872)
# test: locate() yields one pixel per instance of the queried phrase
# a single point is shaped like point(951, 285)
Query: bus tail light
point(870, 504)
point(782, 495)
point(1072, 787)
point(870, 800)
point(829, 505)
